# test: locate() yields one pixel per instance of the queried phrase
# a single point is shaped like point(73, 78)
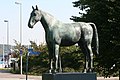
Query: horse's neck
point(47, 20)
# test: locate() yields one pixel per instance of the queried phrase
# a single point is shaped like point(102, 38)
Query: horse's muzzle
point(30, 26)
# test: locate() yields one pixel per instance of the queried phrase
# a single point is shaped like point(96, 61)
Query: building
point(4, 51)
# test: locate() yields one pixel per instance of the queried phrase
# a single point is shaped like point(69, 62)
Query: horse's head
point(34, 17)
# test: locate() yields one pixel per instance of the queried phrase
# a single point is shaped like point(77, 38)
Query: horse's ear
point(36, 7)
point(32, 7)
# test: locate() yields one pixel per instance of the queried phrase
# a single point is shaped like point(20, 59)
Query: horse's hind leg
point(56, 56)
point(89, 55)
point(87, 50)
point(83, 47)
point(90, 58)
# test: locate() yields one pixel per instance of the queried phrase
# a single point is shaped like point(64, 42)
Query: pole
point(8, 42)
point(20, 31)
point(27, 65)
point(21, 64)
point(119, 74)
point(7, 37)
point(7, 31)
point(21, 23)
point(3, 55)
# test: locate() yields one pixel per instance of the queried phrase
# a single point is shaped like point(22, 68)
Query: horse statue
point(59, 34)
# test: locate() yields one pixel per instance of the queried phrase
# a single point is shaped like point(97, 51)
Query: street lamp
point(20, 20)
point(6, 21)
point(7, 31)
point(20, 29)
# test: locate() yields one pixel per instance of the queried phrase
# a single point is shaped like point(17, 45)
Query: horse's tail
point(95, 39)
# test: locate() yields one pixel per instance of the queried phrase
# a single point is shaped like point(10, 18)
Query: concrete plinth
point(69, 76)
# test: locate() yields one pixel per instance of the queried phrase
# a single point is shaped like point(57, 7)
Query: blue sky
point(61, 9)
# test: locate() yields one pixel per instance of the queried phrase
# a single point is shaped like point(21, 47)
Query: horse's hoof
point(85, 71)
point(50, 71)
point(60, 70)
point(55, 71)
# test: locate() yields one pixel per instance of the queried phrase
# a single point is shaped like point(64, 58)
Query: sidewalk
point(5, 75)
point(111, 78)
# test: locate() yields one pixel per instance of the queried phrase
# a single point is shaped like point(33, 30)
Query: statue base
point(69, 76)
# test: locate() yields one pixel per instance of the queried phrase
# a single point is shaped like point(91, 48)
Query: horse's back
point(69, 33)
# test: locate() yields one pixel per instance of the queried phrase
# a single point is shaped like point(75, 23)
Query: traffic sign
point(31, 52)
point(21, 52)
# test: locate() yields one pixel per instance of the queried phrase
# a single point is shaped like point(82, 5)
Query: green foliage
point(72, 59)
point(15, 71)
point(40, 64)
point(106, 15)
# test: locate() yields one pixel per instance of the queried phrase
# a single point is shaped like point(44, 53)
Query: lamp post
point(7, 37)
point(20, 20)
point(7, 31)
point(20, 4)
point(3, 54)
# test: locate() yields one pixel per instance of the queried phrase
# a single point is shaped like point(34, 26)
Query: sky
point(61, 9)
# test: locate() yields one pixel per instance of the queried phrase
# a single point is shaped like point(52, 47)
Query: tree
point(106, 15)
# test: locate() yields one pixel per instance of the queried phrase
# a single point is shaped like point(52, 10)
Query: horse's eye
point(34, 14)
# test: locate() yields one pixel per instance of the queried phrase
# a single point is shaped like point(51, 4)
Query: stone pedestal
point(69, 76)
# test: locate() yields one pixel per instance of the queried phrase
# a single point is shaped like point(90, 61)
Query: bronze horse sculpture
point(59, 34)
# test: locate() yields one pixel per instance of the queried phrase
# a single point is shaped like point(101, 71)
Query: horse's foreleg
point(50, 61)
point(51, 65)
point(56, 57)
point(50, 58)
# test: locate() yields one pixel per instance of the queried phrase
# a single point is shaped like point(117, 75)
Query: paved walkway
point(5, 75)
point(111, 78)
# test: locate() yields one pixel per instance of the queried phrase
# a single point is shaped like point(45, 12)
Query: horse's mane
point(47, 13)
